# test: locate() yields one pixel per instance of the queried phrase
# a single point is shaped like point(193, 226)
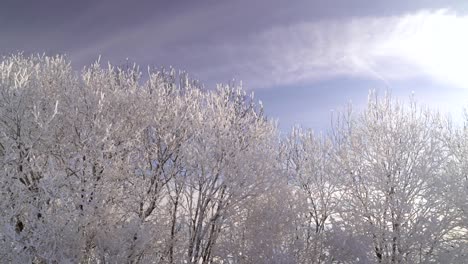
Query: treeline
point(105, 166)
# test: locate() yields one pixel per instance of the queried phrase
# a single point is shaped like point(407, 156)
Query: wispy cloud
point(431, 44)
point(427, 44)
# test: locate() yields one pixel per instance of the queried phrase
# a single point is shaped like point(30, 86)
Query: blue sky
point(302, 58)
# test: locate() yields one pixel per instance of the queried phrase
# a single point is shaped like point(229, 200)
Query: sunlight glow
point(437, 43)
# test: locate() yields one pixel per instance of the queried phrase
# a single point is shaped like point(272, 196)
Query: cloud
point(424, 44)
point(429, 44)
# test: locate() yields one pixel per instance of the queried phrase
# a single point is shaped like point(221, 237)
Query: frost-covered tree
point(394, 156)
point(104, 166)
point(455, 187)
point(231, 162)
point(315, 178)
point(32, 139)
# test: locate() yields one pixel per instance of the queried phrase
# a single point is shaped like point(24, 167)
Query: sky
point(304, 59)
